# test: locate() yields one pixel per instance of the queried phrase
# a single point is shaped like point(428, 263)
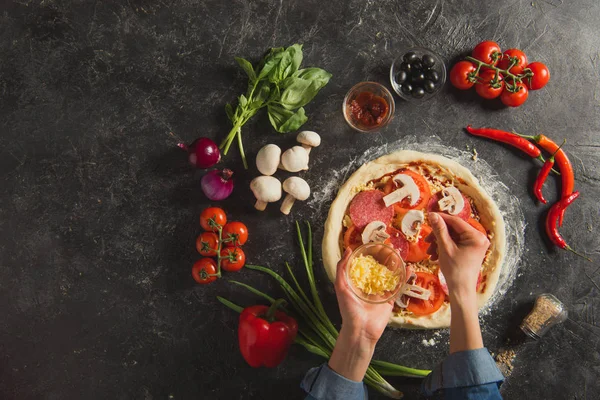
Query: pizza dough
point(489, 214)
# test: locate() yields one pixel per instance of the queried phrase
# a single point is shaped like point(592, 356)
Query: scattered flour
point(428, 343)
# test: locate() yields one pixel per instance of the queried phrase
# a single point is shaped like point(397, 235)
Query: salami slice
point(368, 206)
point(433, 206)
point(398, 241)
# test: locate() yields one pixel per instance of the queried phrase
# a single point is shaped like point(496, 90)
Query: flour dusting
point(326, 188)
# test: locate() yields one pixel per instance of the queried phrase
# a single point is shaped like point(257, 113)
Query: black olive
point(401, 77)
point(410, 57)
point(417, 64)
point(407, 88)
point(433, 76)
point(429, 86)
point(417, 77)
point(428, 60)
point(406, 67)
point(418, 92)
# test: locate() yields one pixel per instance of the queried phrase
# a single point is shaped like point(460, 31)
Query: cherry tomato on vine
point(207, 243)
point(489, 52)
point(513, 53)
point(514, 99)
point(460, 73)
point(234, 234)
point(232, 259)
point(216, 214)
point(485, 88)
point(202, 270)
point(541, 76)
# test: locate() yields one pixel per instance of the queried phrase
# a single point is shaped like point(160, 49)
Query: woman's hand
point(460, 249)
point(366, 319)
point(362, 326)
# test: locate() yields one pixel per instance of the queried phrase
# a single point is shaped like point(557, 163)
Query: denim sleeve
point(323, 383)
point(470, 375)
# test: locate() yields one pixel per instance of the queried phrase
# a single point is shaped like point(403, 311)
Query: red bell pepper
point(265, 334)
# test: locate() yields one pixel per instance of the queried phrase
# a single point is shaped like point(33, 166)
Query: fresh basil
point(279, 84)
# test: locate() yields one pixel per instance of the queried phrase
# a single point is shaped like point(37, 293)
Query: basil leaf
point(294, 122)
point(270, 62)
point(285, 120)
point(279, 71)
point(247, 67)
point(299, 93)
point(243, 100)
point(314, 74)
point(229, 111)
point(262, 93)
point(296, 53)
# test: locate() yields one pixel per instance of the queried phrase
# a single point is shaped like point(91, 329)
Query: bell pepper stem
point(270, 316)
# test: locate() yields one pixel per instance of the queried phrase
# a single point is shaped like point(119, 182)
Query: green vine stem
point(474, 76)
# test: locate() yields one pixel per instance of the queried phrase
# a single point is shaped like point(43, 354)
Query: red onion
point(203, 152)
point(217, 185)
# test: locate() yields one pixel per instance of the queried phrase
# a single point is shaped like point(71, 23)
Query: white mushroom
point(409, 189)
point(296, 189)
point(266, 189)
point(374, 232)
point(308, 139)
point(412, 222)
point(294, 159)
point(268, 158)
point(453, 201)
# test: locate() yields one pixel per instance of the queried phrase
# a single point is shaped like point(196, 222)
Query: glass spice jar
point(547, 312)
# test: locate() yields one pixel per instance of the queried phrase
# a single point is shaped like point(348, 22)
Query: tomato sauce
point(368, 109)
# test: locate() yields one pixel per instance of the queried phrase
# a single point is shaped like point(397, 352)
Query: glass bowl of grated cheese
point(375, 272)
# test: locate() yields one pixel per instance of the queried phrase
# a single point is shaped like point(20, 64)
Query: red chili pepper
point(552, 219)
point(541, 178)
point(567, 176)
point(509, 138)
point(265, 334)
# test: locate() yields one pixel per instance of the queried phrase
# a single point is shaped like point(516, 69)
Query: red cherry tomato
point(460, 74)
point(436, 299)
point(488, 87)
point(232, 259)
point(203, 269)
point(420, 181)
point(207, 244)
point(217, 215)
point(235, 234)
point(541, 76)
point(352, 238)
point(489, 52)
point(514, 99)
point(417, 251)
point(506, 61)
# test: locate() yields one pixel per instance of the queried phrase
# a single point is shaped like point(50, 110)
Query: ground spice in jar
point(547, 312)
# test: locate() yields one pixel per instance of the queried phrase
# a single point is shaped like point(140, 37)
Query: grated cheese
point(372, 277)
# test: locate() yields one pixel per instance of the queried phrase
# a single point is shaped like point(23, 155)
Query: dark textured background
point(98, 210)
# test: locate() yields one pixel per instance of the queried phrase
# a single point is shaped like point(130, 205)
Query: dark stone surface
point(98, 211)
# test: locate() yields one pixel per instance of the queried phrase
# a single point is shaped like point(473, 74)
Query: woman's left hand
point(359, 317)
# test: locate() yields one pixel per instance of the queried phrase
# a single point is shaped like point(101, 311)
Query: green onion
point(317, 334)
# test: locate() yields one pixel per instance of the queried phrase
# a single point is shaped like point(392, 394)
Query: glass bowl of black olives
point(417, 74)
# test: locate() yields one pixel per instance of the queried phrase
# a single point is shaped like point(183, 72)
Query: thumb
point(440, 230)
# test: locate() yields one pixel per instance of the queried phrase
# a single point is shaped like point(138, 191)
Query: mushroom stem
point(260, 205)
point(287, 204)
point(307, 148)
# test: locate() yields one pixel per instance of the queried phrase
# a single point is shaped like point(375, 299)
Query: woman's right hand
point(460, 249)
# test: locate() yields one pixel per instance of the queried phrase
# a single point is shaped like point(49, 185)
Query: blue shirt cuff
point(463, 369)
point(323, 383)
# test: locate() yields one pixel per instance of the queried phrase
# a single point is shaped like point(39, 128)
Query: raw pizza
point(388, 200)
